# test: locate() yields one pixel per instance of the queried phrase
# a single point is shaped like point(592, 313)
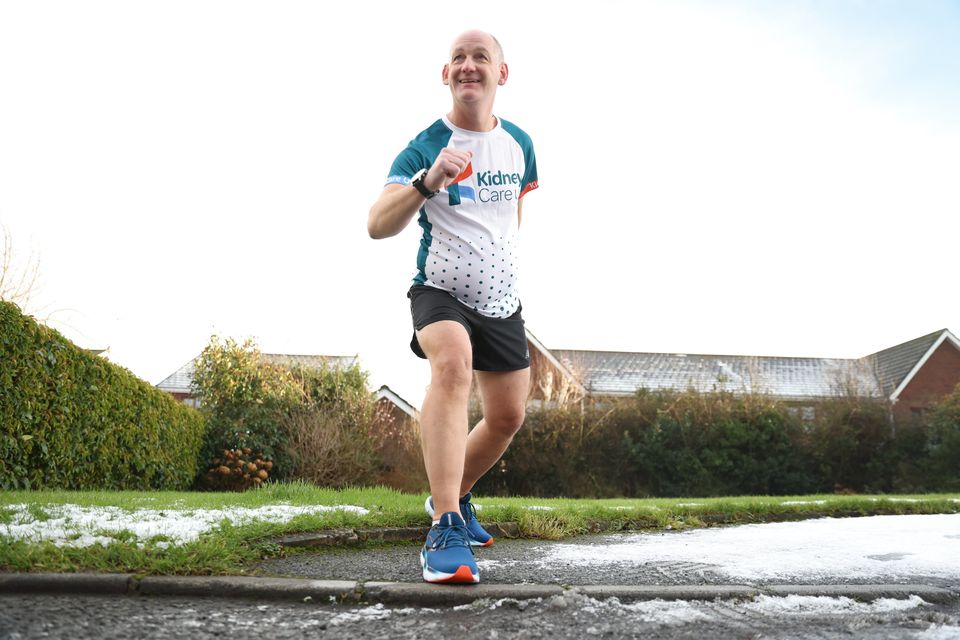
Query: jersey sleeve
point(405, 165)
point(529, 181)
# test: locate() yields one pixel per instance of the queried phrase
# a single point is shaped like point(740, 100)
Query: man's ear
point(504, 72)
point(446, 74)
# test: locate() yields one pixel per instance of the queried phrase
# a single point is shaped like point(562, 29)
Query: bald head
point(475, 35)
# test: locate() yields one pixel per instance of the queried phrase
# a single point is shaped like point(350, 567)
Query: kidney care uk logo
point(491, 186)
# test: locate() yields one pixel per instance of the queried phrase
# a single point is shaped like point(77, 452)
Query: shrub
point(703, 444)
point(562, 452)
point(944, 443)
point(852, 442)
point(72, 420)
point(242, 398)
point(327, 425)
point(396, 438)
point(309, 424)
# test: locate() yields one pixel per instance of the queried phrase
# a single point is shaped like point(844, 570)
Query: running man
point(464, 177)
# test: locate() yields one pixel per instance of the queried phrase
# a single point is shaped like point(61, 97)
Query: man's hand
point(397, 203)
point(449, 164)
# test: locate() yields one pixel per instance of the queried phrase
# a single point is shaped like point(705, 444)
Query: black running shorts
point(499, 344)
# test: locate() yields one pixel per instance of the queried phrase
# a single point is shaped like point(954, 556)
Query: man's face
point(475, 68)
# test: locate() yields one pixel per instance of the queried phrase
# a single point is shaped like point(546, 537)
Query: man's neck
point(481, 120)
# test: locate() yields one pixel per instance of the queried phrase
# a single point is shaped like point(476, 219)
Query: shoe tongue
point(466, 498)
point(451, 519)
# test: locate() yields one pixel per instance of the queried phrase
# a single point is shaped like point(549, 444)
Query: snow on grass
point(825, 548)
point(76, 526)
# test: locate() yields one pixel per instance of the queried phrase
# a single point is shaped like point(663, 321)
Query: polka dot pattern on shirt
point(480, 274)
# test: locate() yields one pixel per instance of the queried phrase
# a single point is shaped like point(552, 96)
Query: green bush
point(944, 443)
point(242, 398)
point(707, 444)
point(562, 452)
point(72, 420)
point(328, 428)
point(312, 424)
point(853, 444)
point(715, 444)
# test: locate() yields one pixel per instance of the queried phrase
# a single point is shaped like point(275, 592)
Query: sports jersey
point(468, 244)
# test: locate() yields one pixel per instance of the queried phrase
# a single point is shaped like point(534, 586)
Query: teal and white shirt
point(468, 245)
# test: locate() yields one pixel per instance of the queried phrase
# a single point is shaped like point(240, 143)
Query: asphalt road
point(569, 616)
point(925, 557)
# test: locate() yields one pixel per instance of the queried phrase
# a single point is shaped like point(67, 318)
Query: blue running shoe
point(446, 556)
point(478, 537)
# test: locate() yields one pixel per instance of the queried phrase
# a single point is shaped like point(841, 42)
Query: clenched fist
point(449, 164)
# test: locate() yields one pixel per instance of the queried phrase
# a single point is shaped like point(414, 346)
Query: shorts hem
point(506, 369)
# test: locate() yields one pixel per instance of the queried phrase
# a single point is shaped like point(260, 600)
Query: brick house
point(912, 376)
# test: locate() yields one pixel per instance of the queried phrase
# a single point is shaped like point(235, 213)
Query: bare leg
point(443, 417)
point(504, 397)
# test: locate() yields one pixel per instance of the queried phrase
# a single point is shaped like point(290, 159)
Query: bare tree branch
point(18, 283)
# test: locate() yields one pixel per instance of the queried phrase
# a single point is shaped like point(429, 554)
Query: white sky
point(759, 178)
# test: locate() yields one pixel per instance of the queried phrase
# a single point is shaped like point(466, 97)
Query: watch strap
point(417, 183)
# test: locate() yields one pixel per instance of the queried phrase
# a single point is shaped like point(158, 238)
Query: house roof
point(896, 364)
point(181, 379)
point(618, 373)
point(553, 360)
point(386, 392)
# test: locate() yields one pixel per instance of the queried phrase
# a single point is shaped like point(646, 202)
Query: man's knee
point(452, 370)
point(506, 421)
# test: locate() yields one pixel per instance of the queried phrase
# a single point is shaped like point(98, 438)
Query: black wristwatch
point(417, 182)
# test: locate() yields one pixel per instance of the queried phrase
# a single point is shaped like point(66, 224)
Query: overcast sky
point(738, 178)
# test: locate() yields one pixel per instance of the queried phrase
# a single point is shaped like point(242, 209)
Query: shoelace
point(452, 536)
point(469, 514)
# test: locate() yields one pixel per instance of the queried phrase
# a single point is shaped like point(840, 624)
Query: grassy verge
point(229, 545)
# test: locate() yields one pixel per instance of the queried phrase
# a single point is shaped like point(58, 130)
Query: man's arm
point(393, 210)
point(398, 203)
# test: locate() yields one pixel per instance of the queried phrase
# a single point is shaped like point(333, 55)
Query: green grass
point(232, 549)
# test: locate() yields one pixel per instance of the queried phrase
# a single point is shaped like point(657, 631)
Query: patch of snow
point(661, 612)
point(826, 605)
point(70, 525)
point(858, 548)
point(493, 564)
point(939, 632)
point(364, 614)
point(791, 502)
point(665, 612)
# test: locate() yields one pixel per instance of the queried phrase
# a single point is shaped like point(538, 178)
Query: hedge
point(669, 444)
point(72, 420)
